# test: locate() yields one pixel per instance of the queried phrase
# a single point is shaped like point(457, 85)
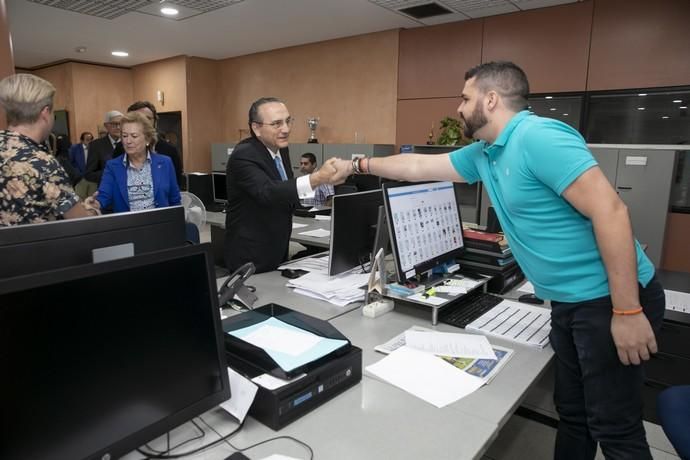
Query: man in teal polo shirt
point(571, 235)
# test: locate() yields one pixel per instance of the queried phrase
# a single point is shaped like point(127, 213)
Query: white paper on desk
point(424, 375)
point(677, 301)
point(450, 344)
point(286, 341)
point(320, 217)
point(317, 263)
point(270, 382)
point(317, 233)
point(527, 287)
point(243, 392)
point(452, 290)
point(431, 300)
point(298, 225)
point(278, 457)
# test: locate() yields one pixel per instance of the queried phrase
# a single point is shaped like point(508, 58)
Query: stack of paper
point(515, 321)
point(316, 264)
point(339, 290)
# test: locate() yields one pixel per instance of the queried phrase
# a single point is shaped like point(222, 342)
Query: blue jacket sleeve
point(108, 187)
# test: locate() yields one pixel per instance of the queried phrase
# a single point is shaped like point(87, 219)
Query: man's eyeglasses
point(278, 123)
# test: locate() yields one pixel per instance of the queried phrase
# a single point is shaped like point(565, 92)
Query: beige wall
point(61, 77)
point(350, 83)
point(205, 125)
point(97, 90)
point(169, 76)
point(6, 58)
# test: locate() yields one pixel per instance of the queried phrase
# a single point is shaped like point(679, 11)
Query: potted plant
point(451, 133)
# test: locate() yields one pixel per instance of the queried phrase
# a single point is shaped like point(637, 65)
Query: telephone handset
point(234, 287)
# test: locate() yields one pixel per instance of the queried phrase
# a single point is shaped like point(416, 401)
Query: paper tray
point(238, 349)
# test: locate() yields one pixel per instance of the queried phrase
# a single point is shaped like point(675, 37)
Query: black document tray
point(238, 349)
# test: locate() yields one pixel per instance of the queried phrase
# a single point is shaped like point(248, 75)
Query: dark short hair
point(504, 77)
point(254, 111)
point(83, 135)
point(143, 105)
point(310, 156)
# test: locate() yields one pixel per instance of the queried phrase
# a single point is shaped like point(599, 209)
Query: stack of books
point(489, 253)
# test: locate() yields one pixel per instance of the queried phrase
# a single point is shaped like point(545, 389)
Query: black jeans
point(599, 400)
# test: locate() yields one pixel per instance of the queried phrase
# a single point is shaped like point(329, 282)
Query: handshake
point(334, 172)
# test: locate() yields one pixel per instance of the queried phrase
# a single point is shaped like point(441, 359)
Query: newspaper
point(485, 369)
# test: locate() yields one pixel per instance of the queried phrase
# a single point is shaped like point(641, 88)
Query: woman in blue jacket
point(140, 179)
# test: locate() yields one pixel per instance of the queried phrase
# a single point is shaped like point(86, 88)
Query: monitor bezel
point(429, 264)
point(213, 187)
point(74, 273)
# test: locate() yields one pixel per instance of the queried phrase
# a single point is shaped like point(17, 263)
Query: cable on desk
point(155, 455)
point(201, 435)
point(244, 449)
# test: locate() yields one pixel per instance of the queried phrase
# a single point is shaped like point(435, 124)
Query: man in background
point(262, 192)
point(162, 146)
point(322, 193)
point(78, 155)
point(34, 187)
point(101, 150)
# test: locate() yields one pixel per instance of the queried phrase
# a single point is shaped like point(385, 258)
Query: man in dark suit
point(101, 150)
point(162, 146)
point(262, 191)
point(78, 154)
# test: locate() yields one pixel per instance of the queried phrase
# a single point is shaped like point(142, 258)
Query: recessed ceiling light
point(677, 101)
point(120, 53)
point(548, 97)
point(665, 117)
point(640, 108)
point(552, 109)
point(169, 11)
point(80, 49)
point(683, 107)
point(642, 94)
point(565, 114)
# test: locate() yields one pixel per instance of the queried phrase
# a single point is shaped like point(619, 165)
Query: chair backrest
point(345, 188)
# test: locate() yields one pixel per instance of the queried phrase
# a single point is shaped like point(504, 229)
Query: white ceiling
point(46, 31)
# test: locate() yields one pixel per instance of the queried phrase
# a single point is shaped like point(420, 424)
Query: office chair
point(673, 408)
point(345, 188)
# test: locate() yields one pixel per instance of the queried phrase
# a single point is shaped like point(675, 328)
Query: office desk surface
point(271, 288)
point(495, 402)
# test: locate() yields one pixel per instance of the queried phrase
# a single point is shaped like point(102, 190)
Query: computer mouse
point(530, 298)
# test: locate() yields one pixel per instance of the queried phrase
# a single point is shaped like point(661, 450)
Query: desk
point(216, 221)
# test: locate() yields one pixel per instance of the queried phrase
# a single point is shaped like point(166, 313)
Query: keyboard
point(468, 308)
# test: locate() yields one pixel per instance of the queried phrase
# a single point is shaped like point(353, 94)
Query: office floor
point(520, 438)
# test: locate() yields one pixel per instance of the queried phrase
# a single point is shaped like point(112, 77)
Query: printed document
point(677, 301)
point(515, 321)
point(318, 233)
point(450, 344)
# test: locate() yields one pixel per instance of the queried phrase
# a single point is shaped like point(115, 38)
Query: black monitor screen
point(100, 359)
point(220, 191)
point(32, 248)
point(424, 225)
point(353, 229)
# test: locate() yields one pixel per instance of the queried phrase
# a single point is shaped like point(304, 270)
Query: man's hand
point(91, 203)
point(633, 337)
point(344, 168)
point(327, 174)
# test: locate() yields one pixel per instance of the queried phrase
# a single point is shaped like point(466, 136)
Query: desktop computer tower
point(201, 185)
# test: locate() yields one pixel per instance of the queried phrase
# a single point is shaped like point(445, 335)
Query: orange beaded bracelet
point(633, 311)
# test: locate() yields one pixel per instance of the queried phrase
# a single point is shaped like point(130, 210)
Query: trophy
point(312, 123)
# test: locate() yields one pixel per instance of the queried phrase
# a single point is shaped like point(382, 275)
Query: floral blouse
point(33, 186)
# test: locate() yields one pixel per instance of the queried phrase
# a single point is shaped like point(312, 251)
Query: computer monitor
point(220, 191)
point(424, 224)
point(353, 229)
point(98, 360)
point(37, 247)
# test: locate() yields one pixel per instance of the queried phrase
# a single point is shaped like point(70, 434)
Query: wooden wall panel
point(433, 60)
point(96, 90)
point(61, 77)
point(639, 44)
point(415, 117)
point(550, 44)
point(169, 76)
point(676, 253)
point(203, 112)
point(350, 83)
point(6, 58)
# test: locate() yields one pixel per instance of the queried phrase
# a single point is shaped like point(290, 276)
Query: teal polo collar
point(507, 131)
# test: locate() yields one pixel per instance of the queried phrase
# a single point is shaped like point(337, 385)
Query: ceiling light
point(120, 53)
point(683, 107)
point(677, 101)
point(642, 94)
point(80, 49)
point(548, 97)
point(168, 11)
point(665, 117)
point(565, 114)
point(552, 109)
point(640, 108)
